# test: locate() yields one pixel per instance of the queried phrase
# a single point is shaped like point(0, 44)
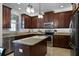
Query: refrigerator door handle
point(71, 45)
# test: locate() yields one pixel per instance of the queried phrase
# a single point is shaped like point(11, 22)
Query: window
point(22, 24)
point(14, 23)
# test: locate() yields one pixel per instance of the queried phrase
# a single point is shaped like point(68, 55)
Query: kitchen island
point(32, 46)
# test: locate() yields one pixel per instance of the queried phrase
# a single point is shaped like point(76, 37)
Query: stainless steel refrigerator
point(74, 42)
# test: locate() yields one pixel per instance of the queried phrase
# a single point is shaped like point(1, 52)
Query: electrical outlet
point(21, 50)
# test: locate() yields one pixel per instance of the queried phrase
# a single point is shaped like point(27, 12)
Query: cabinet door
point(62, 19)
point(67, 19)
point(49, 17)
point(37, 22)
point(59, 20)
point(26, 21)
point(40, 23)
point(61, 41)
point(45, 18)
point(34, 22)
point(6, 17)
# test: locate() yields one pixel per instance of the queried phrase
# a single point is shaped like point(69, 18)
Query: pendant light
point(40, 15)
point(30, 8)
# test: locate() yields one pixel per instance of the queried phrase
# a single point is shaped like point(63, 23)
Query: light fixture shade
point(40, 16)
point(30, 9)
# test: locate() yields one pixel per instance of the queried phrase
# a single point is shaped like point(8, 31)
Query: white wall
point(0, 25)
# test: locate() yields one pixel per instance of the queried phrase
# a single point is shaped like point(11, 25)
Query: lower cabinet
point(38, 49)
point(7, 44)
point(61, 41)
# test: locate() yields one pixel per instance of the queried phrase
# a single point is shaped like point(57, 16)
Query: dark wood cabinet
point(40, 22)
point(49, 17)
point(59, 19)
point(6, 17)
point(37, 22)
point(34, 22)
point(67, 19)
point(25, 21)
point(61, 41)
point(62, 19)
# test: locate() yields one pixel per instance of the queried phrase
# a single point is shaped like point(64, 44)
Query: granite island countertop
point(31, 40)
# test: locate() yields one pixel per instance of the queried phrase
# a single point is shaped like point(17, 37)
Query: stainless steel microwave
point(48, 25)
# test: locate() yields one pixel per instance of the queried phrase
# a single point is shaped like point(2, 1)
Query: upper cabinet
point(25, 21)
point(6, 17)
point(62, 19)
point(34, 23)
point(49, 17)
point(40, 22)
point(37, 22)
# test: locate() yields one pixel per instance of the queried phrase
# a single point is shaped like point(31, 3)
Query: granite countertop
point(29, 33)
point(20, 33)
point(61, 33)
point(31, 40)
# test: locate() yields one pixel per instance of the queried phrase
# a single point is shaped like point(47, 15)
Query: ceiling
point(45, 7)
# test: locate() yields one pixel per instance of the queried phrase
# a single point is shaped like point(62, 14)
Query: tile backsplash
point(43, 30)
point(67, 30)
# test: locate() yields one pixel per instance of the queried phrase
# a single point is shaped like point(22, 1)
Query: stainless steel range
point(49, 32)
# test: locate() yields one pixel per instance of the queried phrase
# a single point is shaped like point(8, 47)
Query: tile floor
point(54, 51)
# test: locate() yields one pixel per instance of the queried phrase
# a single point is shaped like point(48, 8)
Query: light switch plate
point(21, 50)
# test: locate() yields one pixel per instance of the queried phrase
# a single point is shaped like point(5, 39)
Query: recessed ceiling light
point(19, 8)
point(61, 6)
point(18, 3)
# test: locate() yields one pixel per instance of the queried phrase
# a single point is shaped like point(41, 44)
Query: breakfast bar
point(31, 46)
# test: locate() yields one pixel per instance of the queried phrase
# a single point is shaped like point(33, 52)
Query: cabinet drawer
point(61, 41)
